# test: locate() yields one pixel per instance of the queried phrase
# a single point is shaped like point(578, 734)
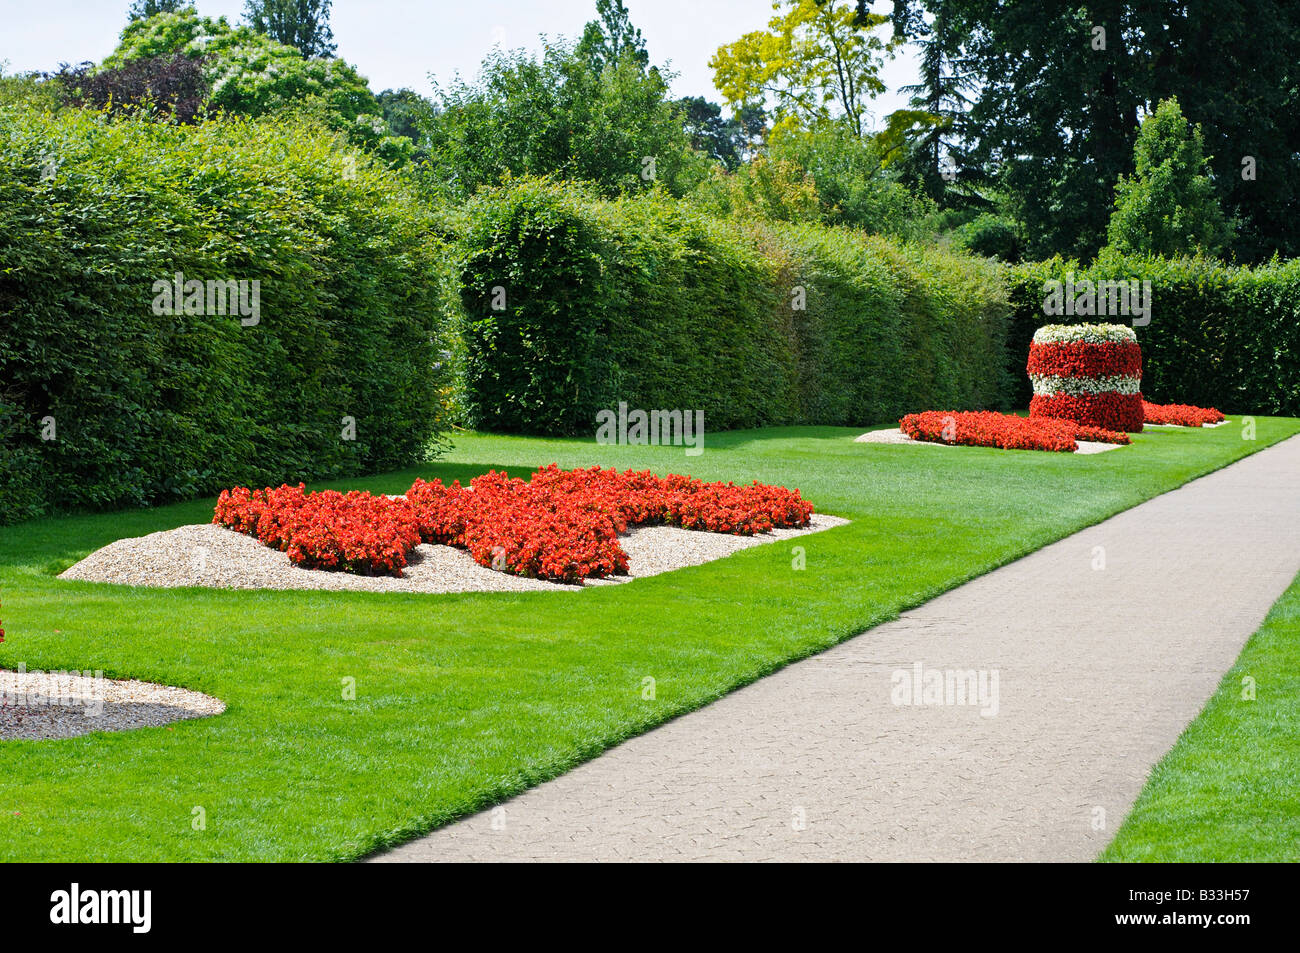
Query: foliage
point(556, 115)
point(611, 37)
point(729, 141)
point(645, 300)
point(33, 89)
point(1056, 115)
point(933, 137)
point(175, 85)
point(144, 9)
point(772, 189)
point(852, 182)
point(990, 235)
point(303, 24)
point(1168, 207)
point(109, 399)
point(407, 112)
point(250, 74)
point(814, 56)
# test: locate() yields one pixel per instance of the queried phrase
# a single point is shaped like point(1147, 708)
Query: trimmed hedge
point(1219, 336)
point(649, 301)
point(149, 408)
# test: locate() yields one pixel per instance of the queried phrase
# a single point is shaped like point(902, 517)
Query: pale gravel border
point(212, 556)
point(896, 436)
point(42, 706)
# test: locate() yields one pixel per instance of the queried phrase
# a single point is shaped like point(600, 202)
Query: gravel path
point(1098, 671)
point(208, 555)
point(43, 705)
point(896, 436)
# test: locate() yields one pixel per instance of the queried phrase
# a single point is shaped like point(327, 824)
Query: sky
point(400, 43)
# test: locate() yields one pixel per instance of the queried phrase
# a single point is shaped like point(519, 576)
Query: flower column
point(1088, 373)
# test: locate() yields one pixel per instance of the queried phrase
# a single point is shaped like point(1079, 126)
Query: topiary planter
point(1088, 373)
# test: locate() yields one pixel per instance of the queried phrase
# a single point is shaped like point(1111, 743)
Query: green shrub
point(1219, 335)
point(648, 300)
point(991, 236)
point(150, 407)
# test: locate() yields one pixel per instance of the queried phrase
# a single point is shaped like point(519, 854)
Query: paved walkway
point(1098, 671)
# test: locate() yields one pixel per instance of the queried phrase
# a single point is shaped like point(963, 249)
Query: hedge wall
point(148, 408)
point(574, 304)
point(1219, 335)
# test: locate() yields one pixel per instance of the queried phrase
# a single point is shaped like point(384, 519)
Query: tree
point(929, 143)
point(144, 9)
point(730, 141)
point(816, 59)
point(1167, 207)
point(1061, 87)
point(853, 184)
point(558, 116)
point(304, 24)
point(611, 37)
point(406, 112)
point(251, 74)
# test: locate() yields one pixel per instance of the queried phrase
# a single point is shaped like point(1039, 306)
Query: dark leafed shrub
point(574, 304)
point(1219, 335)
point(173, 84)
point(107, 397)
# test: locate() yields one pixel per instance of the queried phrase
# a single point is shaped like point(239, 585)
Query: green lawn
point(463, 700)
point(1230, 788)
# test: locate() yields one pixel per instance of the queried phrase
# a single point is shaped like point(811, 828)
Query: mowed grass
point(1229, 790)
point(463, 700)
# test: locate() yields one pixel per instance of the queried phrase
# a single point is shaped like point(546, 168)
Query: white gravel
point(213, 556)
point(895, 435)
point(44, 705)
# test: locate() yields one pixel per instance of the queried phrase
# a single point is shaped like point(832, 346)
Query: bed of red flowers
point(561, 525)
point(1184, 415)
point(986, 428)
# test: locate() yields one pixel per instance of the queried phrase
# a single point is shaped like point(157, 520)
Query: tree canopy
point(302, 24)
point(817, 60)
point(1059, 89)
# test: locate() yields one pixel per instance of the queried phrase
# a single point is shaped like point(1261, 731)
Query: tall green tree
point(932, 137)
point(304, 24)
point(1168, 207)
point(144, 9)
point(612, 36)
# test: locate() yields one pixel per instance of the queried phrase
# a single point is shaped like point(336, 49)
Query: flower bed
point(987, 428)
point(1183, 415)
point(1087, 373)
point(562, 525)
